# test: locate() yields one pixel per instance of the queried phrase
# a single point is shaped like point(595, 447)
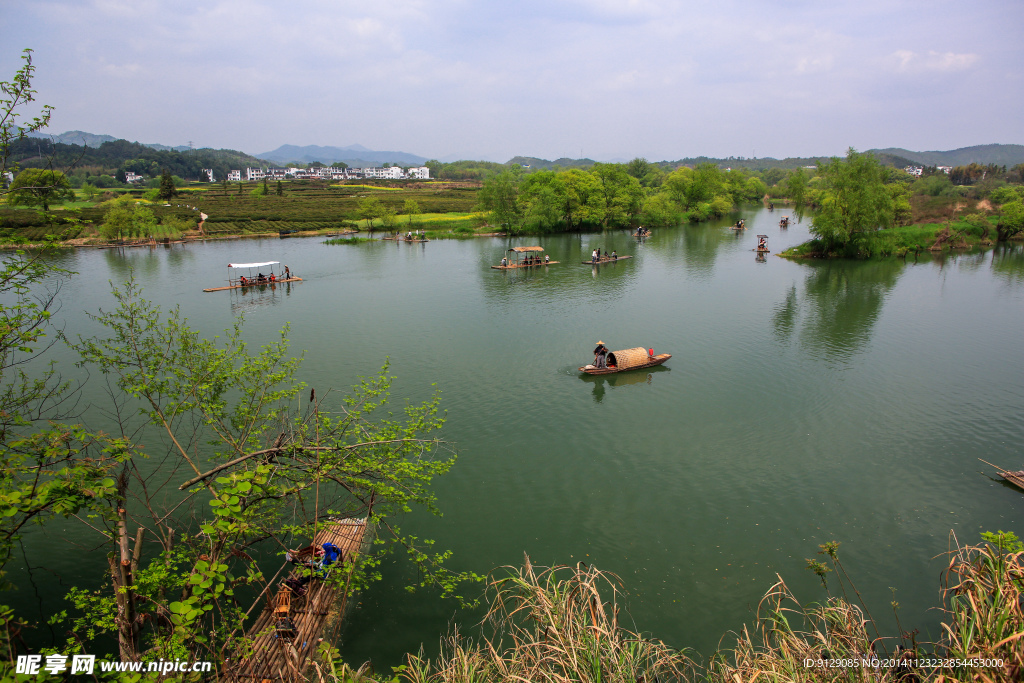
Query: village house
point(209, 174)
point(329, 173)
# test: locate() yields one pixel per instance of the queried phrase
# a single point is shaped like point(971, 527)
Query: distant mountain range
point(80, 137)
point(1002, 155)
point(357, 155)
point(353, 155)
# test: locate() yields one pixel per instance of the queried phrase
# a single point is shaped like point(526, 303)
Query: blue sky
point(489, 80)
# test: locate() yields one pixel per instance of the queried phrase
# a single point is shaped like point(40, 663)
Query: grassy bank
point(965, 232)
point(566, 624)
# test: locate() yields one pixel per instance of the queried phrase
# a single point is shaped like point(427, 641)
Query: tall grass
point(564, 624)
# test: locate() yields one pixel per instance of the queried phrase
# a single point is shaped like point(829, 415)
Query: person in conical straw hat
point(601, 355)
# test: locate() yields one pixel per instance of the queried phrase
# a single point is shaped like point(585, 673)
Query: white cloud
point(912, 62)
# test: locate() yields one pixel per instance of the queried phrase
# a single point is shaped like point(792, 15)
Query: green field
point(445, 208)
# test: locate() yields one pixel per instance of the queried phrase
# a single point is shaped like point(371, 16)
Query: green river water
point(804, 402)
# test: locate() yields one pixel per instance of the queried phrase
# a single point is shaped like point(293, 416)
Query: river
point(804, 402)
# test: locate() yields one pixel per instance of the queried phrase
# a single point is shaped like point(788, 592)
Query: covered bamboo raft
point(530, 261)
point(288, 631)
point(627, 359)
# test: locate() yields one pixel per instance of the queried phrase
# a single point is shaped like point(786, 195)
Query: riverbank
point(964, 234)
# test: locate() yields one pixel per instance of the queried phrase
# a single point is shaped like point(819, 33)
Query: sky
point(476, 79)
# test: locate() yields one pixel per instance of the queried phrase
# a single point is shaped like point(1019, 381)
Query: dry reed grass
point(562, 624)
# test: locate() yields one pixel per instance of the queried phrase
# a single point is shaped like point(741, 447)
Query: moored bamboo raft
point(253, 284)
point(285, 656)
point(1015, 478)
point(627, 359)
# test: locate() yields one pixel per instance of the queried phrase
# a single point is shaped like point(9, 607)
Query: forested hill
point(112, 156)
point(1000, 155)
point(534, 163)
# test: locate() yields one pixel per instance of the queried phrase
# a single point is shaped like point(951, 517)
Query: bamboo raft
point(525, 265)
point(627, 359)
point(253, 284)
point(533, 261)
point(287, 658)
point(605, 259)
point(1015, 478)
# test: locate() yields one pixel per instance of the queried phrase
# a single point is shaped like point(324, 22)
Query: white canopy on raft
point(253, 265)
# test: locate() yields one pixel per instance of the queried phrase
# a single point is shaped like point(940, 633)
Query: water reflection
point(573, 276)
point(146, 260)
point(250, 298)
point(1008, 262)
point(840, 304)
point(620, 379)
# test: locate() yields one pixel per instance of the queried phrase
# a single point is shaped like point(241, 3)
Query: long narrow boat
point(253, 284)
point(626, 360)
point(242, 282)
point(531, 261)
point(605, 259)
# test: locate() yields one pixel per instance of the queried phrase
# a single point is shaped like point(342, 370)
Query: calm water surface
point(804, 402)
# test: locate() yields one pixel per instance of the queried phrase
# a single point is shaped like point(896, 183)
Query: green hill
point(1001, 155)
point(111, 156)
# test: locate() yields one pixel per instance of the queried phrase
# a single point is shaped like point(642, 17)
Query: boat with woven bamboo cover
point(626, 360)
point(532, 259)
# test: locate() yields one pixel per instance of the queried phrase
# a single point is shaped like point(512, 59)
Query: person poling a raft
point(601, 355)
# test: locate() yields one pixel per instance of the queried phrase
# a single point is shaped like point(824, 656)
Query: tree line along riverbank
point(859, 208)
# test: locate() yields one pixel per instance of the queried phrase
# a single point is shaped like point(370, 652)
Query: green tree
point(411, 209)
point(127, 219)
point(14, 95)
point(167, 188)
point(854, 201)
point(773, 176)
point(280, 189)
point(354, 458)
point(1011, 219)
point(500, 196)
point(638, 168)
point(50, 468)
point(40, 187)
point(796, 188)
point(619, 192)
point(89, 191)
point(542, 194)
point(388, 217)
point(370, 209)
point(582, 200)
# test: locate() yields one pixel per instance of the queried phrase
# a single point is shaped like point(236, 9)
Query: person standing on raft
point(601, 355)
